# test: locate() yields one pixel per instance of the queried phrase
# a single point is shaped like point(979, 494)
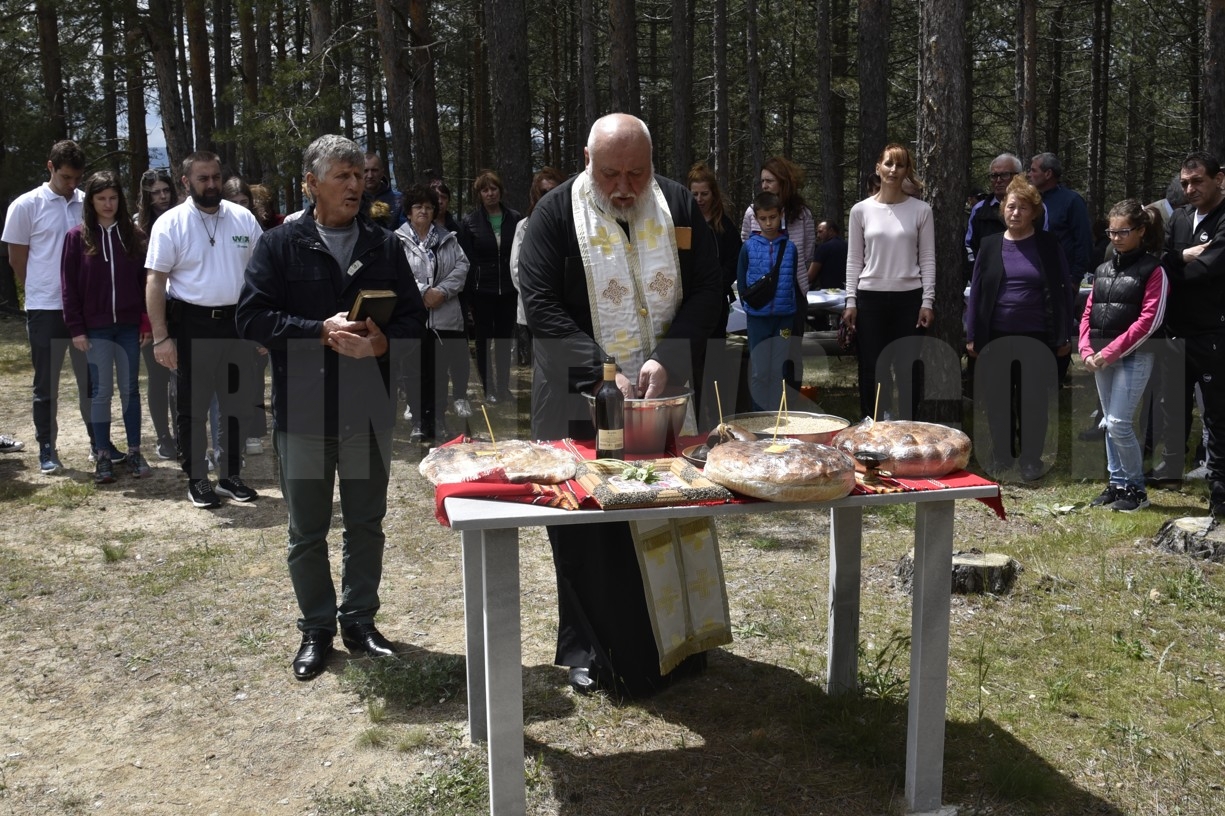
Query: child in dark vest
point(1126, 306)
point(770, 326)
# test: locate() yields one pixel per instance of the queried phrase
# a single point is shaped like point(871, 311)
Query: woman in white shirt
point(890, 279)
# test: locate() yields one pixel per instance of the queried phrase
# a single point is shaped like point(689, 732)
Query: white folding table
point(489, 535)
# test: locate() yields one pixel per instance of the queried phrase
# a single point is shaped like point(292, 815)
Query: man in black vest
point(985, 216)
point(1194, 260)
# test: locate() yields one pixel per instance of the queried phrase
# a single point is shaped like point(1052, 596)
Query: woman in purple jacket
point(102, 272)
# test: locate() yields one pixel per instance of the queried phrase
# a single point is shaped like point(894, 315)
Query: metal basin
point(648, 421)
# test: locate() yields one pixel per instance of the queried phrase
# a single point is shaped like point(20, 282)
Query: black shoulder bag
point(761, 292)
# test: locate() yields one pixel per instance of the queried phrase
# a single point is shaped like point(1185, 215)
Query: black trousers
point(212, 360)
point(161, 386)
point(1206, 366)
point(882, 318)
point(48, 341)
point(494, 319)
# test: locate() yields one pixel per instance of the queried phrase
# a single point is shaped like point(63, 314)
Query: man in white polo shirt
point(34, 230)
point(198, 252)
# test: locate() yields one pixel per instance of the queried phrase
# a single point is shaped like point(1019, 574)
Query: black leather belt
point(209, 312)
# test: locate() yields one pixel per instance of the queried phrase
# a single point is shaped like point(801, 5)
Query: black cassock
point(603, 622)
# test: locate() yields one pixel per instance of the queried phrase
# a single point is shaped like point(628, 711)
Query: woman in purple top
point(1017, 323)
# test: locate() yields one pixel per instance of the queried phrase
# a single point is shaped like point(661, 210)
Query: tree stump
point(974, 572)
point(1196, 536)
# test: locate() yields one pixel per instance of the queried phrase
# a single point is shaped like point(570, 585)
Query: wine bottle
point(610, 415)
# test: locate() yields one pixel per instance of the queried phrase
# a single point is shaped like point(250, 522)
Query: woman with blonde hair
point(1021, 300)
point(890, 276)
point(486, 235)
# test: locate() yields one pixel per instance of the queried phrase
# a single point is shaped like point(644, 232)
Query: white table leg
point(503, 672)
point(846, 533)
point(474, 632)
point(929, 655)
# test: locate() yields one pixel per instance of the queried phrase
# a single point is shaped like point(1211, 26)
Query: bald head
point(618, 155)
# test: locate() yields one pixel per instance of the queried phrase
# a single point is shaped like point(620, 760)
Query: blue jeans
point(770, 348)
point(310, 466)
point(1120, 386)
point(114, 351)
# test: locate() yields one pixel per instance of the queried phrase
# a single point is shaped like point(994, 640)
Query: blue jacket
point(1067, 218)
point(756, 260)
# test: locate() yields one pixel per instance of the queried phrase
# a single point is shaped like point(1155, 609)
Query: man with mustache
point(617, 261)
point(197, 254)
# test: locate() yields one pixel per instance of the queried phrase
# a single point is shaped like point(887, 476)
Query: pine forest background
point(1119, 90)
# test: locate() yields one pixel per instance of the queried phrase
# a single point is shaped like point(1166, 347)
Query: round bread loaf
point(910, 449)
point(782, 470)
point(510, 461)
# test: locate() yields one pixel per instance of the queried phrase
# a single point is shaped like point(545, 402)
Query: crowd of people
point(212, 291)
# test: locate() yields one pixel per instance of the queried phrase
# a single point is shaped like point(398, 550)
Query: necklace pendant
point(212, 242)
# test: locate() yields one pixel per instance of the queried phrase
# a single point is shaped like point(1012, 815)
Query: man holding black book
point(333, 403)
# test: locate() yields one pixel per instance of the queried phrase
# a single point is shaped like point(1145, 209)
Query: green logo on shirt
point(241, 241)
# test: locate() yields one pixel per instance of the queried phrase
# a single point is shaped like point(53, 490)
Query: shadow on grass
point(774, 743)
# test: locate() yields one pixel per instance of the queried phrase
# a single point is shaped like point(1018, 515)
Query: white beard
point(627, 214)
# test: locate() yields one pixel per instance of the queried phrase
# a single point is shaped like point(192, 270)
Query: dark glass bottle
point(609, 415)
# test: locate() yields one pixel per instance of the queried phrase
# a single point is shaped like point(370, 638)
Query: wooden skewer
point(876, 407)
point(782, 405)
point(489, 426)
point(719, 401)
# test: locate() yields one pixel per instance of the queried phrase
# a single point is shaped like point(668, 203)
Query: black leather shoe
point(363, 637)
point(312, 655)
point(582, 681)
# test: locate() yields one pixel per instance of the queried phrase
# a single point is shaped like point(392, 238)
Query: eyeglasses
point(1000, 176)
point(1123, 233)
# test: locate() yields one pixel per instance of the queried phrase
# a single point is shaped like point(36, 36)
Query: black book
point(376, 304)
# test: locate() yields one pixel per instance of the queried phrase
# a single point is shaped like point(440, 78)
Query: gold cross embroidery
point(603, 241)
point(662, 284)
point(703, 584)
point(667, 600)
point(614, 291)
point(650, 232)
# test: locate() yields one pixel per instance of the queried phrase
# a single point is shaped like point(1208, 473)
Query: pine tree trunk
point(425, 91)
point(682, 88)
point(756, 123)
point(623, 57)
point(399, 88)
point(722, 116)
point(134, 91)
point(161, 43)
point(943, 157)
point(873, 86)
point(587, 67)
point(52, 72)
point(1214, 78)
point(506, 33)
point(326, 120)
point(200, 73)
point(1027, 79)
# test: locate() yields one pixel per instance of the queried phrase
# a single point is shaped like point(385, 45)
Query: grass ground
point(146, 648)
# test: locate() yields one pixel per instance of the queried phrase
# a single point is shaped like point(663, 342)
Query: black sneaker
point(104, 471)
point(1109, 496)
point(137, 466)
point(1132, 499)
point(167, 448)
point(201, 493)
point(234, 488)
point(117, 456)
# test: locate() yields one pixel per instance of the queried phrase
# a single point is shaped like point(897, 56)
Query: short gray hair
point(1049, 161)
point(328, 150)
point(1012, 161)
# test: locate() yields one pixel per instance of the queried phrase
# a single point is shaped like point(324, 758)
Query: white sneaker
point(1200, 472)
point(463, 409)
point(255, 446)
point(408, 413)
